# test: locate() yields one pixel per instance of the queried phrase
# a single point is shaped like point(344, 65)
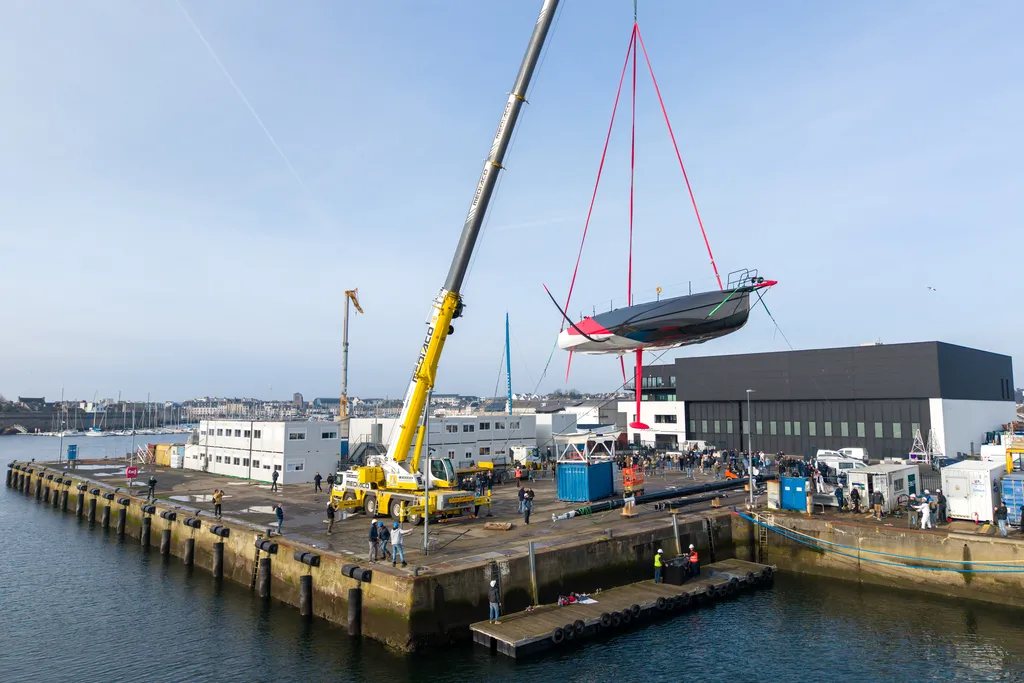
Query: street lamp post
point(750, 448)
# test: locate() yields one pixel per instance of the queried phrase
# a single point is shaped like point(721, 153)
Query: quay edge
point(407, 612)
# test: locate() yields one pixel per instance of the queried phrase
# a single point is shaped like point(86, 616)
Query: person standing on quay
point(940, 501)
point(494, 601)
point(279, 511)
point(527, 508)
point(316, 483)
point(877, 500)
point(330, 516)
point(374, 547)
point(657, 566)
point(151, 495)
point(1001, 513)
point(397, 547)
point(218, 496)
point(273, 481)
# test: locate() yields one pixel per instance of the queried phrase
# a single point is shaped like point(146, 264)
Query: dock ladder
point(766, 520)
point(256, 563)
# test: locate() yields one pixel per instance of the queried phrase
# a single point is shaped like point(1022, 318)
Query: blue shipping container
point(580, 482)
point(794, 493)
point(1013, 496)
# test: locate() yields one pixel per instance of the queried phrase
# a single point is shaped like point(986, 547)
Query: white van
point(855, 453)
point(840, 464)
point(825, 453)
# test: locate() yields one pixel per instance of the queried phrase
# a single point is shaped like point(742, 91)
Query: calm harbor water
point(79, 605)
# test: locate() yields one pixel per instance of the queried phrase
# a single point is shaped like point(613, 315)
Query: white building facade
point(466, 439)
point(254, 450)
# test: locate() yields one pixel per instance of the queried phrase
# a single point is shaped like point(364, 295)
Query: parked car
point(825, 453)
point(839, 463)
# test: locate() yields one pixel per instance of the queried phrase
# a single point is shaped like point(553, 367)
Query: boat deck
point(549, 626)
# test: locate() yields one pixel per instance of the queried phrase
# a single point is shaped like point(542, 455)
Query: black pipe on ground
point(218, 560)
point(306, 596)
point(355, 612)
point(661, 495)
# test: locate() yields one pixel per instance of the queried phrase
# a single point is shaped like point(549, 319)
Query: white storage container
point(896, 482)
point(971, 488)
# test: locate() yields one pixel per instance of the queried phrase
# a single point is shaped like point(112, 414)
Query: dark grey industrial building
point(874, 396)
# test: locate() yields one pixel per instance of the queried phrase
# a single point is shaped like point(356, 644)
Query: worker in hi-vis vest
point(657, 566)
point(694, 562)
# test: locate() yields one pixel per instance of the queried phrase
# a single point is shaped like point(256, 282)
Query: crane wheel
point(396, 509)
point(370, 505)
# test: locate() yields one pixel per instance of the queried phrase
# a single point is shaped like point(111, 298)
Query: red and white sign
point(131, 472)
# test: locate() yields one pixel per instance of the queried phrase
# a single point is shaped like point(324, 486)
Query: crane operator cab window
point(443, 470)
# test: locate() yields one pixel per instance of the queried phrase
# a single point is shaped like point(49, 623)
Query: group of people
point(387, 543)
point(692, 563)
point(722, 464)
point(317, 479)
point(926, 509)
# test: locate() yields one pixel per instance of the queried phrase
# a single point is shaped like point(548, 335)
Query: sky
point(181, 220)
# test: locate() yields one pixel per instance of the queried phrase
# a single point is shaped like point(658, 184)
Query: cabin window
point(718, 426)
point(897, 485)
point(297, 436)
point(328, 435)
point(812, 429)
point(828, 429)
point(256, 464)
point(759, 427)
point(897, 430)
point(665, 419)
point(703, 426)
point(499, 425)
point(746, 426)
point(844, 429)
point(878, 430)
point(238, 433)
point(485, 426)
point(728, 426)
point(693, 426)
point(256, 433)
point(513, 425)
point(236, 461)
point(773, 427)
point(485, 450)
point(860, 430)
point(469, 428)
point(220, 432)
point(245, 462)
point(247, 433)
point(787, 428)
point(216, 459)
point(451, 429)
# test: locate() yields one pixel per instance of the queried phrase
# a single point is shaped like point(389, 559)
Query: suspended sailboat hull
point(664, 324)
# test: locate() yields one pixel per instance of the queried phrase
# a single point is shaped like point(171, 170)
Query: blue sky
point(154, 240)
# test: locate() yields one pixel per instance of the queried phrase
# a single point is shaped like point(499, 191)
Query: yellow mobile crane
point(391, 484)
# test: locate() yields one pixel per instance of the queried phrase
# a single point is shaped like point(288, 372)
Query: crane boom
point(447, 304)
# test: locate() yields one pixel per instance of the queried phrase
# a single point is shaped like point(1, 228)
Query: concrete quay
point(431, 602)
point(960, 560)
